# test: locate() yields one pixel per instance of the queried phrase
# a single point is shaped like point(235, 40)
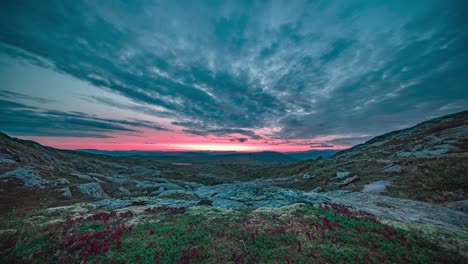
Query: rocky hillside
point(360, 206)
point(427, 162)
point(447, 135)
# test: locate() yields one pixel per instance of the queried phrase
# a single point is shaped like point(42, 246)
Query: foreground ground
point(301, 233)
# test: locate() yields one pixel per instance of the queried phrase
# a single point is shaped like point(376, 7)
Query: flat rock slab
point(376, 187)
point(402, 209)
point(240, 195)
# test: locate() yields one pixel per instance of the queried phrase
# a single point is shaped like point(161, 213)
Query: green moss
point(202, 234)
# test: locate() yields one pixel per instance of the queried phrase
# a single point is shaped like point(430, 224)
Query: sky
point(227, 75)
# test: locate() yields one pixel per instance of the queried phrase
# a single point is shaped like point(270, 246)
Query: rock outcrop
point(92, 189)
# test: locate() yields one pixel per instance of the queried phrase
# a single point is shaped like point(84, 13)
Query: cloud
point(242, 140)
point(17, 96)
point(20, 119)
point(223, 132)
point(306, 68)
point(321, 145)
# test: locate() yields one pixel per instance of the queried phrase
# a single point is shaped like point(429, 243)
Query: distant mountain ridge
point(210, 156)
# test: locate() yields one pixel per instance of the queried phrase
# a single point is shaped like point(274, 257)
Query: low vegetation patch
point(325, 233)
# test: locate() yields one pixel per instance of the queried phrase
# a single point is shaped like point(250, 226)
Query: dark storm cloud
point(307, 68)
point(20, 119)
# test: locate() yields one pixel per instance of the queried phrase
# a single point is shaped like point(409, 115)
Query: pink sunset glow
point(173, 142)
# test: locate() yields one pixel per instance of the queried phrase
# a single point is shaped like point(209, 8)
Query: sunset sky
point(227, 75)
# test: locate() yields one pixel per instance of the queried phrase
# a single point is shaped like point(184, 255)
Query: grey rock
point(113, 203)
point(317, 189)
point(228, 204)
point(97, 180)
point(308, 176)
point(172, 192)
point(401, 209)
point(66, 192)
point(145, 185)
point(392, 168)
point(169, 186)
point(376, 187)
point(158, 192)
point(92, 189)
point(82, 176)
point(28, 176)
point(342, 174)
point(124, 190)
point(63, 181)
point(254, 195)
point(350, 180)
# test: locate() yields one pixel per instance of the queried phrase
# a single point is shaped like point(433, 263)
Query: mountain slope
point(440, 136)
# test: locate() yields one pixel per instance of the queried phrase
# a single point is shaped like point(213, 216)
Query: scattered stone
point(145, 185)
point(350, 180)
point(93, 189)
point(82, 176)
point(172, 192)
point(376, 187)
point(7, 232)
point(124, 190)
point(170, 186)
point(66, 192)
point(158, 192)
point(342, 174)
point(228, 204)
point(317, 189)
point(98, 180)
point(308, 176)
point(113, 203)
point(63, 181)
point(392, 168)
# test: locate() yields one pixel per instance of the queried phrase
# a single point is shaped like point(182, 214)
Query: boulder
point(392, 168)
point(124, 190)
point(308, 176)
point(63, 181)
point(82, 176)
point(317, 189)
point(92, 189)
point(66, 192)
point(342, 174)
point(113, 203)
point(376, 187)
point(169, 186)
point(350, 180)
